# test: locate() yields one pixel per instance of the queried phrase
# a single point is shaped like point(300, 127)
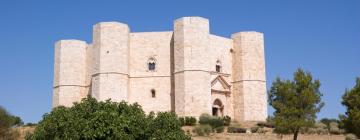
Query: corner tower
point(192, 68)
point(69, 72)
point(110, 76)
point(249, 83)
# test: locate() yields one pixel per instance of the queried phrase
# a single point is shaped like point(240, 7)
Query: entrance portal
point(217, 108)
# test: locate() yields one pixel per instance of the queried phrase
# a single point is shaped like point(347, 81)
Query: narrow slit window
point(153, 94)
point(218, 66)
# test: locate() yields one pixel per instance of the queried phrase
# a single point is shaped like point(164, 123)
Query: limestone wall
point(115, 65)
point(144, 46)
point(69, 72)
point(111, 52)
point(249, 86)
point(192, 70)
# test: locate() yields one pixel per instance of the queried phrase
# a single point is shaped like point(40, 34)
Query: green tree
point(296, 102)
point(6, 122)
point(91, 119)
point(351, 100)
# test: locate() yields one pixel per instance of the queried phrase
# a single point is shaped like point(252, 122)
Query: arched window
point(153, 94)
point(151, 64)
point(218, 66)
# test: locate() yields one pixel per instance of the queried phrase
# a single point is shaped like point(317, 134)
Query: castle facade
point(187, 70)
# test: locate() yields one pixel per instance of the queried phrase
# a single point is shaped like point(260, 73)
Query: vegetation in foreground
point(296, 102)
point(7, 121)
point(351, 100)
point(91, 119)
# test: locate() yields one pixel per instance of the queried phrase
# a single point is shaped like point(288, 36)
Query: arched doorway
point(217, 108)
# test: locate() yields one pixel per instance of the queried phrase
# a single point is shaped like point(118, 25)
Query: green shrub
point(216, 122)
point(202, 130)
point(261, 130)
point(190, 121)
point(165, 126)
point(91, 119)
point(219, 129)
point(227, 120)
point(213, 121)
point(266, 124)
point(204, 119)
point(232, 129)
point(334, 128)
point(254, 129)
point(350, 137)
point(182, 121)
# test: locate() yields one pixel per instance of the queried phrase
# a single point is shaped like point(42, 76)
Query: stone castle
point(187, 70)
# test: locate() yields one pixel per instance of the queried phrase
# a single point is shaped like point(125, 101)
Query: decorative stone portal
point(218, 108)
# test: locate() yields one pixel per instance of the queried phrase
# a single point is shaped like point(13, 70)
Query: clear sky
point(321, 36)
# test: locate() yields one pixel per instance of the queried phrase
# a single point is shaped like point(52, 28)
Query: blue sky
point(321, 36)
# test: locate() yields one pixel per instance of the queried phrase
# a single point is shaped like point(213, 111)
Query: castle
point(187, 70)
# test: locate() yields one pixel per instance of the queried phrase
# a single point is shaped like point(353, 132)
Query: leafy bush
point(254, 129)
point(266, 124)
point(334, 128)
point(204, 119)
point(213, 121)
point(203, 130)
point(216, 122)
point(190, 121)
point(350, 137)
point(261, 130)
point(233, 129)
point(351, 100)
point(227, 120)
point(30, 124)
point(219, 129)
point(165, 127)
point(182, 121)
point(91, 119)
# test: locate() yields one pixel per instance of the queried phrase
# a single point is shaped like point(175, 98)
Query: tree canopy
point(351, 100)
point(91, 119)
point(296, 102)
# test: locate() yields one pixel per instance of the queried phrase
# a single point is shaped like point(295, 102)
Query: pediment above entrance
point(220, 85)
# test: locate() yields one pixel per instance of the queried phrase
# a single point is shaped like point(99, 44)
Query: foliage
point(166, 126)
point(203, 130)
point(190, 121)
point(351, 100)
point(219, 129)
point(350, 137)
point(6, 122)
point(30, 124)
point(182, 121)
point(234, 129)
point(213, 121)
point(295, 102)
point(90, 119)
point(318, 128)
point(327, 121)
point(334, 128)
point(266, 124)
point(227, 120)
point(204, 118)
point(254, 129)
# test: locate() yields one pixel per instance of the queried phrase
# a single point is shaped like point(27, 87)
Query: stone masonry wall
point(69, 72)
point(115, 65)
point(249, 86)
